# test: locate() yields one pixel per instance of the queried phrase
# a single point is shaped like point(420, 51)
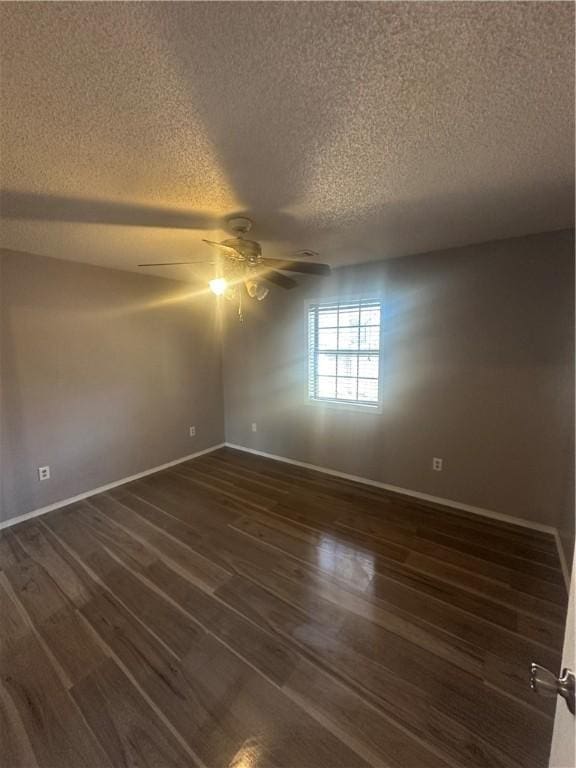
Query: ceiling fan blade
point(279, 279)
point(174, 263)
point(42, 207)
point(305, 267)
point(227, 249)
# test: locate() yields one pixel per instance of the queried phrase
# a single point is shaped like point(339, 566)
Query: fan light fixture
point(242, 269)
point(218, 286)
point(256, 290)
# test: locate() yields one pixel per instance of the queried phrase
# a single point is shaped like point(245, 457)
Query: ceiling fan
point(242, 266)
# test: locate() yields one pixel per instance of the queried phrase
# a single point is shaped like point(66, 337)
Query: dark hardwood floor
point(235, 611)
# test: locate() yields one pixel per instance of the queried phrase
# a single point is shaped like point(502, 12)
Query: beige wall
point(478, 370)
point(102, 375)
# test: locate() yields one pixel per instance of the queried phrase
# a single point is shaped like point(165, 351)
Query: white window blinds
point(344, 352)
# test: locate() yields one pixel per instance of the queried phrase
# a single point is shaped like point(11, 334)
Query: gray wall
point(102, 375)
point(478, 370)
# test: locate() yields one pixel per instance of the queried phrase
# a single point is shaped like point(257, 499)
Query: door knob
point(545, 683)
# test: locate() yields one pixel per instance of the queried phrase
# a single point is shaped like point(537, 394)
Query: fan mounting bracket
point(239, 225)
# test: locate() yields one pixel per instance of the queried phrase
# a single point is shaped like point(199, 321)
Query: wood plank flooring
point(236, 611)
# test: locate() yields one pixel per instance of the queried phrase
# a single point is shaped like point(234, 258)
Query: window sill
point(337, 405)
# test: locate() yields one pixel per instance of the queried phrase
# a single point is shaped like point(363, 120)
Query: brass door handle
point(545, 683)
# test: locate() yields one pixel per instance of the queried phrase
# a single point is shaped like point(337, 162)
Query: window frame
point(311, 364)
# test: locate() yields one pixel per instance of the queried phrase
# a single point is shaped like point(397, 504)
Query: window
point(344, 352)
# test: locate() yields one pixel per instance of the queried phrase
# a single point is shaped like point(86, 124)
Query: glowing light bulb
point(218, 286)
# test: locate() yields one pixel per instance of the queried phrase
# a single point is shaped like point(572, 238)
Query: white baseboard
point(488, 513)
point(326, 470)
point(102, 488)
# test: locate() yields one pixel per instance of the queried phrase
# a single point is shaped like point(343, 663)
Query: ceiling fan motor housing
point(249, 249)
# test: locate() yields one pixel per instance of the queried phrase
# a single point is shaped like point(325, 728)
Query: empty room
point(287, 384)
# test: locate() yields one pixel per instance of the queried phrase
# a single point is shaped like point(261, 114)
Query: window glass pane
point(369, 337)
point(327, 338)
point(326, 386)
point(347, 317)
point(346, 388)
point(347, 365)
point(348, 338)
point(368, 366)
point(327, 365)
point(327, 319)
point(370, 316)
point(367, 390)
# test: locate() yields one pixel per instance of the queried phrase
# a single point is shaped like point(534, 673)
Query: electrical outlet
point(192, 431)
point(437, 464)
point(254, 427)
point(43, 473)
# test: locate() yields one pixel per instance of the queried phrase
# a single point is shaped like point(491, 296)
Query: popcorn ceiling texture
point(360, 130)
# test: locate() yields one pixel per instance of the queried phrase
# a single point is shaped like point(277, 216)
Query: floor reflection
point(248, 755)
point(345, 561)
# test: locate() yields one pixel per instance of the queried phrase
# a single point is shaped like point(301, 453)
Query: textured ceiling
point(360, 130)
